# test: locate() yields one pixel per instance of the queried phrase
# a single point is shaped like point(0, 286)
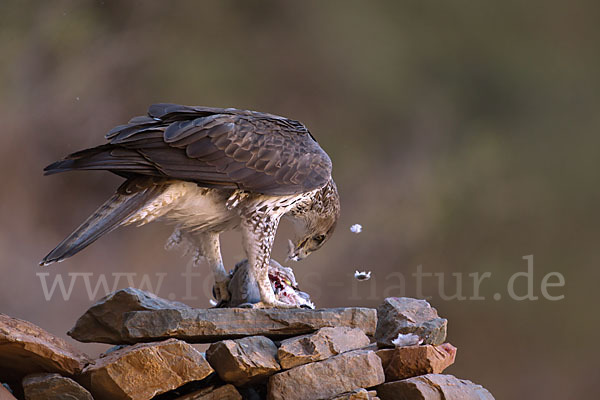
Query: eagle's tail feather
point(111, 214)
point(104, 157)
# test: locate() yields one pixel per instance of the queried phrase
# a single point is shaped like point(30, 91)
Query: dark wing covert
point(213, 147)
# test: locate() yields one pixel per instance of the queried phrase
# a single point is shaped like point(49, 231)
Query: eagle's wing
point(214, 147)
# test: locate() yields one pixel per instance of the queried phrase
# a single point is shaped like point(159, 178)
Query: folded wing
point(213, 147)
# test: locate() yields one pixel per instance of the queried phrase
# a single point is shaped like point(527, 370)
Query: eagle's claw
point(221, 293)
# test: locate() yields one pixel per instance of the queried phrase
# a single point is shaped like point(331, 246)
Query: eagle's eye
point(319, 238)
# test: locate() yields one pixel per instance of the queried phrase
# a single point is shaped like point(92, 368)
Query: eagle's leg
point(258, 234)
point(210, 248)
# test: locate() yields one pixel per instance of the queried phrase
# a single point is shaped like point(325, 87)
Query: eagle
point(209, 170)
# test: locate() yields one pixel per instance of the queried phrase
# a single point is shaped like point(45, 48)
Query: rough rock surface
point(139, 372)
point(322, 354)
point(328, 378)
point(103, 321)
point(433, 387)
point(409, 361)
point(47, 386)
point(26, 348)
point(403, 316)
point(226, 392)
point(358, 394)
point(209, 325)
point(5, 394)
point(244, 360)
point(324, 343)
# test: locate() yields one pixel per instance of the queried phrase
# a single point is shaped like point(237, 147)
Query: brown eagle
point(210, 170)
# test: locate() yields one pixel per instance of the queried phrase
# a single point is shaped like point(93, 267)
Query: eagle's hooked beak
point(296, 253)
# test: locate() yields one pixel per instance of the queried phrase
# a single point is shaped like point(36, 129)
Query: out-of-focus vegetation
point(464, 135)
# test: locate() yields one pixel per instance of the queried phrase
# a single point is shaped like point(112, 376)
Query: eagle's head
point(316, 225)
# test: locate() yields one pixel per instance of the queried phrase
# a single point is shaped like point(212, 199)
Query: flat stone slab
point(103, 321)
point(324, 343)
point(46, 386)
point(130, 316)
point(403, 321)
point(26, 348)
point(144, 370)
point(433, 387)
point(327, 378)
point(210, 325)
point(241, 361)
point(409, 361)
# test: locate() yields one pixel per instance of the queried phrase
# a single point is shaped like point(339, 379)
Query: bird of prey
point(209, 170)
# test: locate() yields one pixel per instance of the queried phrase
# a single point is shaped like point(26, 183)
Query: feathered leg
point(258, 234)
point(210, 248)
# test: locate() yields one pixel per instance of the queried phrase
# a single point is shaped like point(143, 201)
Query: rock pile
point(394, 352)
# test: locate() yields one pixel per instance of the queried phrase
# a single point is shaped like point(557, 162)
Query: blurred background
point(464, 136)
